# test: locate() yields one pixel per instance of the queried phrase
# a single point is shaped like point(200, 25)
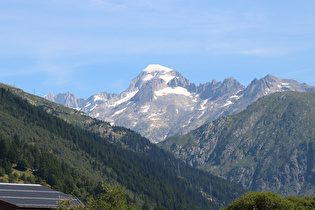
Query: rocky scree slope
point(160, 102)
point(270, 146)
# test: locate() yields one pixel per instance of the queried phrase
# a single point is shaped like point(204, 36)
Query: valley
point(221, 128)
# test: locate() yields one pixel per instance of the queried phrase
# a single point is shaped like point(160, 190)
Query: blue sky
point(91, 46)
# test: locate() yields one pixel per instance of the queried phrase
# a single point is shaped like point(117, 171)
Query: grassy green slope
point(150, 172)
point(268, 146)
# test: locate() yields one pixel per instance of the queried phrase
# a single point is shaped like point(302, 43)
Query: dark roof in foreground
point(32, 195)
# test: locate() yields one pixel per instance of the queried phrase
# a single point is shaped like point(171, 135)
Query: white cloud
point(299, 72)
point(72, 28)
point(263, 51)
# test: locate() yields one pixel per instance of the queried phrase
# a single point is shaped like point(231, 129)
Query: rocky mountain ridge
point(267, 147)
point(160, 102)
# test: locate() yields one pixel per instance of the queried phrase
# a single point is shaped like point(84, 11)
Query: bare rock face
point(268, 146)
point(50, 96)
point(66, 99)
point(160, 102)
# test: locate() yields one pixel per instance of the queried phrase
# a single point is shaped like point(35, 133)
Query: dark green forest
point(76, 160)
point(45, 167)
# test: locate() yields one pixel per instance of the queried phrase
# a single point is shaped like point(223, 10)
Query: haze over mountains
point(160, 102)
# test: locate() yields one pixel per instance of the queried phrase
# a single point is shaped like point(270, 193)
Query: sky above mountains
point(91, 46)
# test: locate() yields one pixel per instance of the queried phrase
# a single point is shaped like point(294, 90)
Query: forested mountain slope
point(145, 170)
point(269, 146)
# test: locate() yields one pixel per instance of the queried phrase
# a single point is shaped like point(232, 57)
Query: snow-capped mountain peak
point(153, 68)
point(160, 102)
point(155, 71)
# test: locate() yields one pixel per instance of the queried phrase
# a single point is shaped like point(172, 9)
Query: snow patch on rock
point(188, 122)
point(145, 108)
point(202, 113)
point(125, 99)
point(120, 111)
point(98, 98)
point(228, 103)
point(202, 106)
point(167, 78)
point(93, 107)
point(169, 90)
point(148, 77)
point(235, 96)
point(88, 104)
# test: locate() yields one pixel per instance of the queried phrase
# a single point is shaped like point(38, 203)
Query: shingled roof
point(32, 196)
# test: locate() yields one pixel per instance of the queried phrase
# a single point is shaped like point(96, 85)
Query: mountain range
point(160, 102)
point(260, 136)
point(73, 153)
point(267, 147)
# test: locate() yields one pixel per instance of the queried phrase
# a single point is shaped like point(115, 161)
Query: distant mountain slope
point(270, 146)
point(66, 99)
point(160, 102)
point(144, 169)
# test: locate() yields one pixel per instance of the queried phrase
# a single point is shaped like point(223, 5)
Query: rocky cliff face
point(66, 99)
point(269, 146)
point(160, 102)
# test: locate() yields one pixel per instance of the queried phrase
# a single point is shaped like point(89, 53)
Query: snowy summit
point(155, 71)
point(160, 102)
point(156, 68)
